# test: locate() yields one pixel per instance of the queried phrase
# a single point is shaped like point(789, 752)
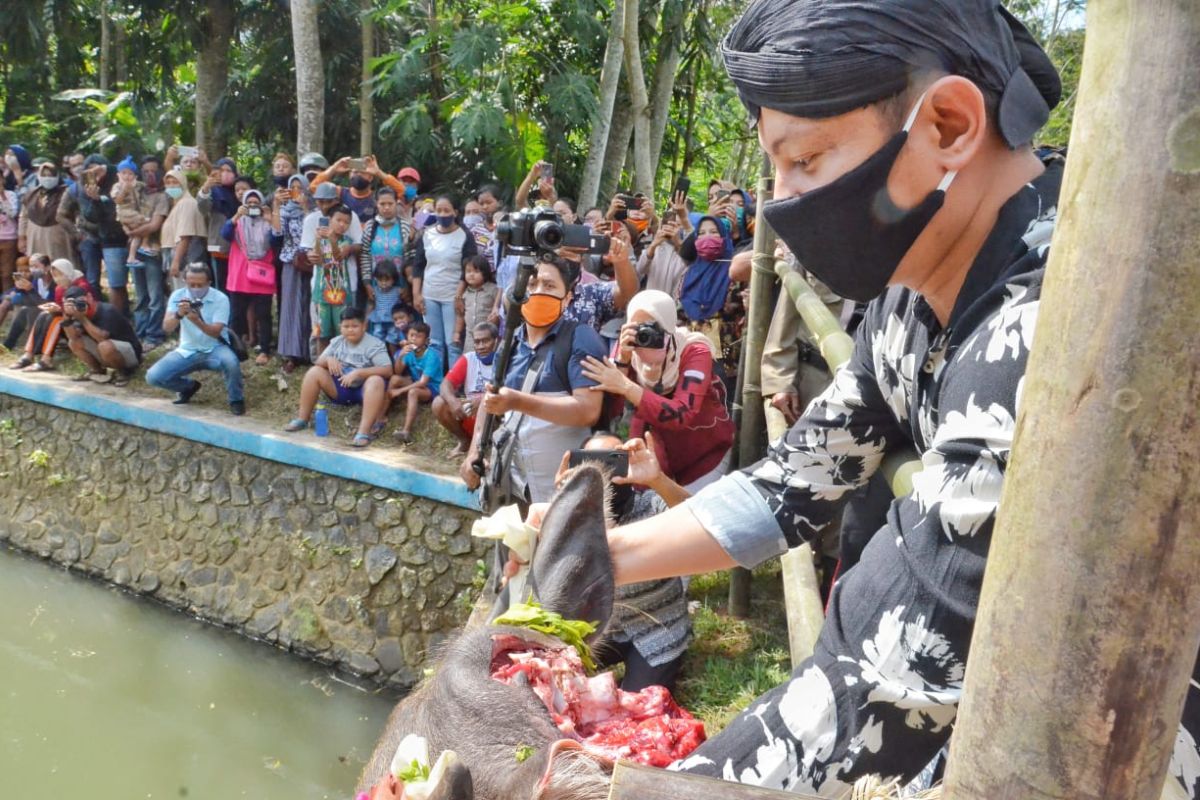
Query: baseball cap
point(326, 191)
point(410, 173)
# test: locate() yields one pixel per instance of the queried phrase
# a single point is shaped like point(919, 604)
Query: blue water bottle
point(321, 420)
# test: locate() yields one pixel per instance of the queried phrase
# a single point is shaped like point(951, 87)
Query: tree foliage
point(467, 91)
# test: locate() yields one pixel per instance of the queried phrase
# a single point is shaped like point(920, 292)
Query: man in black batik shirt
point(901, 134)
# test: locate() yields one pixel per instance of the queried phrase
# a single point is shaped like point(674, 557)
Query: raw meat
point(648, 726)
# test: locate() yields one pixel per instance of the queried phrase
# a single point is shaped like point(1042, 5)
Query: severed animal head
point(503, 734)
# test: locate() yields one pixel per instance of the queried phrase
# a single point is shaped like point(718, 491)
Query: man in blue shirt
point(201, 314)
point(548, 406)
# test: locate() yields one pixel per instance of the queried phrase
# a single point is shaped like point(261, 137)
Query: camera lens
point(650, 336)
point(548, 234)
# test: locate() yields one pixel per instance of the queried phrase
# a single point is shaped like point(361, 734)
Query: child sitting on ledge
point(418, 372)
point(351, 371)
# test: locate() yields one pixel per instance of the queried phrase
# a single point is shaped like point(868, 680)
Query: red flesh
point(648, 726)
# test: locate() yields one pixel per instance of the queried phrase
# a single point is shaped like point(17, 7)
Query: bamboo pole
point(752, 428)
point(1089, 619)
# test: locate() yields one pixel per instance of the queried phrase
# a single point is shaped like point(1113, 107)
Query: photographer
point(47, 327)
point(596, 303)
point(546, 400)
point(200, 312)
point(666, 373)
point(101, 337)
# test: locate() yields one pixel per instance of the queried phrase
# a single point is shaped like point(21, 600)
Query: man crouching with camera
point(201, 314)
point(101, 337)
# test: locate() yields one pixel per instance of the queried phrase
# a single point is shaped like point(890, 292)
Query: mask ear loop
point(949, 177)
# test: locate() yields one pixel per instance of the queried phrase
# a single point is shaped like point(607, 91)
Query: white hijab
point(661, 308)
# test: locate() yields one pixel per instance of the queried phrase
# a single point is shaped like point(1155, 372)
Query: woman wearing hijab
point(295, 322)
point(252, 233)
point(19, 173)
point(39, 230)
point(708, 252)
point(184, 233)
point(47, 328)
point(666, 373)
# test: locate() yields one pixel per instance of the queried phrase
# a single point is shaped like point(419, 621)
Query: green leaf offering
point(524, 753)
point(414, 772)
point(571, 631)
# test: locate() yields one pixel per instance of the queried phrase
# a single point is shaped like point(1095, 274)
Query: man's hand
point(351, 379)
point(615, 205)
point(466, 470)
point(501, 402)
point(644, 469)
point(333, 367)
point(373, 166)
point(342, 165)
point(789, 404)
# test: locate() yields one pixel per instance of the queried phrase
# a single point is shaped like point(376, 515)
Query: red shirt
point(60, 292)
point(692, 427)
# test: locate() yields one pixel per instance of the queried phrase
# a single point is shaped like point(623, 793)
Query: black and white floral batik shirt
point(880, 694)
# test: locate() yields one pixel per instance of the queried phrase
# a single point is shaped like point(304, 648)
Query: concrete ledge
point(386, 470)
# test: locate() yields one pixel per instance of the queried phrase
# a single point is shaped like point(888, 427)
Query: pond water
point(106, 696)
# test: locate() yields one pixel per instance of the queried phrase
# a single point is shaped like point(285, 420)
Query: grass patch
point(732, 661)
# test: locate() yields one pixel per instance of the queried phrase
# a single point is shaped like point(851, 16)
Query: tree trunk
point(689, 125)
point(617, 151)
point(366, 102)
point(310, 77)
point(1089, 618)
point(643, 167)
point(669, 54)
point(212, 71)
point(105, 47)
point(610, 76)
point(121, 60)
point(436, 89)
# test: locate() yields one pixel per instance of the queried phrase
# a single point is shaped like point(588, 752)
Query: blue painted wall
point(291, 450)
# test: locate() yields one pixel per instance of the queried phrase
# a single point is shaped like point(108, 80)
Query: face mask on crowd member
point(549, 294)
point(48, 177)
point(172, 185)
point(227, 171)
point(152, 174)
point(360, 181)
point(411, 180)
point(443, 211)
point(485, 340)
point(709, 242)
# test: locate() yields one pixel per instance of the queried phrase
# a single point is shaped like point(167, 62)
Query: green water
point(106, 696)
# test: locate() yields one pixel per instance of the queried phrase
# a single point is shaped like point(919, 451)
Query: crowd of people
point(387, 297)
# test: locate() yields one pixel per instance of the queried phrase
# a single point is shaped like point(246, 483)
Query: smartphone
point(580, 236)
point(682, 185)
point(722, 194)
point(547, 170)
point(323, 222)
point(358, 164)
point(668, 216)
point(615, 461)
point(188, 151)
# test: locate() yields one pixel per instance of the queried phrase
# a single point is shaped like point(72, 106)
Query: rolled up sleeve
point(736, 515)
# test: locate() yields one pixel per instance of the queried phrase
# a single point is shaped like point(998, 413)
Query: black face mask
point(359, 182)
point(849, 233)
point(282, 180)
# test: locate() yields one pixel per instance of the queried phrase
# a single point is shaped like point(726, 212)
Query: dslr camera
point(649, 335)
point(543, 231)
point(79, 304)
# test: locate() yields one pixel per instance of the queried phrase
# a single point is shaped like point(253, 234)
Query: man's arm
point(625, 273)
point(581, 409)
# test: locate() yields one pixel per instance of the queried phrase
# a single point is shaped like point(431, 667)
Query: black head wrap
point(821, 58)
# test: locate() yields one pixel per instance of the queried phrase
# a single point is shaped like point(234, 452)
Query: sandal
point(22, 363)
point(262, 360)
point(377, 429)
point(360, 440)
point(100, 377)
point(296, 424)
point(42, 366)
point(403, 437)
point(82, 377)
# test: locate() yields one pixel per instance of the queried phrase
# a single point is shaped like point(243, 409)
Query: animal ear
point(572, 571)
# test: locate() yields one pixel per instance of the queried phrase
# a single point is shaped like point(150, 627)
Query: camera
point(79, 304)
point(649, 335)
point(194, 305)
point(631, 204)
point(543, 230)
point(253, 211)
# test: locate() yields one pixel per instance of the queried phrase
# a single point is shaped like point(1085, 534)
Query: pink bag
point(260, 274)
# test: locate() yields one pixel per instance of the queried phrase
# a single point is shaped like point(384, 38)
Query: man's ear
point(953, 123)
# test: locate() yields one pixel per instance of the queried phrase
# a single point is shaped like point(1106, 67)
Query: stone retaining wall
point(341, 571)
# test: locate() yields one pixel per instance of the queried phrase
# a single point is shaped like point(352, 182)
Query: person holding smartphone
point(543, 173)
